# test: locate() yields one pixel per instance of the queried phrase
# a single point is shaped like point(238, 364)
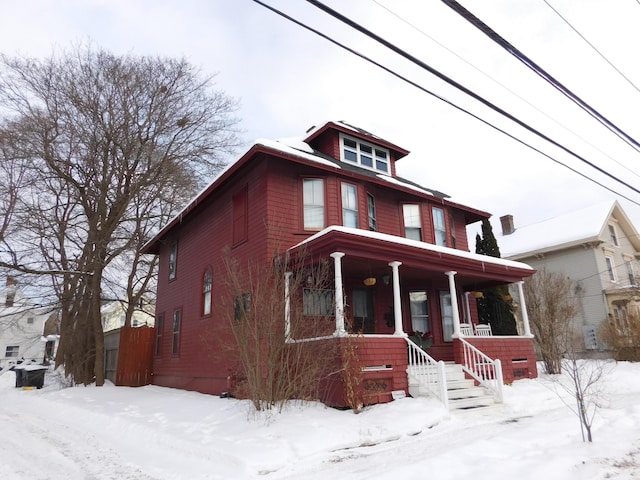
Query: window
point(609, 263)
point(439, 229)
point(349, 205)
point(620, 315)
point(240, 216)
point(613, 235)
point(242, 306)
point(365, 154)
point(412, 223)
point(446, 310)
point(630, 274)
point(11, 351)
point(318, 302)
point(30, 320)
point(173, 257)
point(371, 212)
point(175, 342)
point(10, 298)
point(159, 332)
point(313, 201)
point(419, 307)
point(207, 281)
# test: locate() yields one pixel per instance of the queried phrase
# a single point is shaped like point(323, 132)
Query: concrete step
point(471, 402)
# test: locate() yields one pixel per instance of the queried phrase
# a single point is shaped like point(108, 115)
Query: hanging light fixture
point(369, 281)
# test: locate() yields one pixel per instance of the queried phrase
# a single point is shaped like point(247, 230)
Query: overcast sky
point(288, 79)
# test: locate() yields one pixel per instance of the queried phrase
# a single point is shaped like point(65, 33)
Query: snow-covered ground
point(160, 433)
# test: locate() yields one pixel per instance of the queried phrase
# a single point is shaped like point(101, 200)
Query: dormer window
point(365, 155)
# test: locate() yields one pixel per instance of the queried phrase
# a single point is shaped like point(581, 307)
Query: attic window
point(613, 235)
point(365, 155)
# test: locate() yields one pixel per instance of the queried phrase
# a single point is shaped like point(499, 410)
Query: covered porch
point(387, 288)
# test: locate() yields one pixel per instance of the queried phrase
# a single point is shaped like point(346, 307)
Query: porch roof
point(475, 271)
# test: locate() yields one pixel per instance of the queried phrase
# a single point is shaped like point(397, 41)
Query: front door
point(363, 320)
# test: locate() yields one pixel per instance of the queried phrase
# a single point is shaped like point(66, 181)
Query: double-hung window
point(630, 273)
point(610, 268)
point(412, 222)
point(613, 235)
point(175, 343)
point(371, 212)
point(313, 201)
point(11, 351)
point(173, 257)
point(349, 205)
point(365, 154)
point(419, 307)
point(439, 228)
point(207, 282)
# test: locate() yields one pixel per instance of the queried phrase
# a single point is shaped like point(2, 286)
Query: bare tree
point(551, 307)
point(106, 140)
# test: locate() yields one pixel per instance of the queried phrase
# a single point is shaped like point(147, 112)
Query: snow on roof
point(415, 243)
point(563, 230)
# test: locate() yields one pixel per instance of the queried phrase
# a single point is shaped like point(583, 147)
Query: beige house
point(113, 315)
point(597, 248)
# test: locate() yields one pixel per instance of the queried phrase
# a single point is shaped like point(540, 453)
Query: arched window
point(206, 292)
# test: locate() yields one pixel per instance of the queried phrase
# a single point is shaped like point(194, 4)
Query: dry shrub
point(622, 337)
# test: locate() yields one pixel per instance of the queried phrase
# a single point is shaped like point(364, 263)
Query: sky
point(288, 79)
point(156, 433)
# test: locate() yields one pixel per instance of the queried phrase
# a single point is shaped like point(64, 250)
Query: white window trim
point(358, 162)
point(614, 238)
point(306, 224)
point(345, 188)
point(611, 271)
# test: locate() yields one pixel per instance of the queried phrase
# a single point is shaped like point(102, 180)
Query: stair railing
point(428, 372)
point(484, 369)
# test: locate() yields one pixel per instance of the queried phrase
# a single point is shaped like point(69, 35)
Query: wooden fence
point(135, 356)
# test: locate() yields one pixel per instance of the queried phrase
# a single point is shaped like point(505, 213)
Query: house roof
point(473, 268)
point(565, 231)
point(298, 150)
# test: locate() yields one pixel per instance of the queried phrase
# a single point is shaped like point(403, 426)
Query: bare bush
point(622, 337)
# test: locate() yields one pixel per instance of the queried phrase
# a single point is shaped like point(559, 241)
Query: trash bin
point(29, 375)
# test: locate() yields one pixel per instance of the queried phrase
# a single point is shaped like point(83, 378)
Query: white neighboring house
point(113, 315)
point(598, 249)
point(22, 329)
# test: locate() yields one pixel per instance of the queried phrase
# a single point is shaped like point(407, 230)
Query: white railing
point(485, 370)
point(428, 373)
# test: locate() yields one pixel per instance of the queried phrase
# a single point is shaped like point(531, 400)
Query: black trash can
point(29, 375)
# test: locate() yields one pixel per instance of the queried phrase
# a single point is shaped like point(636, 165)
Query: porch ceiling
point(368, 254)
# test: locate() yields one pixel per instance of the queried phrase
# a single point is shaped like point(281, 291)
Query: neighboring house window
point(632, 277)
point(609, 262)
point(439, 229)
point(12, 351)
point(371, 212)
point(349, 205)
point(175, 343)
point(318, 302)
point(419, 307)
point(620, 315)
point(242, 306)
point(30, 320)
point(365, 154)
point(446, 310)
point(614, 236)
point(207, 281)
point(412, 223)
point(173, 258)
point(159, 332)
point(313, 201)
point(240, 216)
point(10, 298)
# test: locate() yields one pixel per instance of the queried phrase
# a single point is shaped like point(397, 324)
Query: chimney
point(11, 281)
point(507, 224)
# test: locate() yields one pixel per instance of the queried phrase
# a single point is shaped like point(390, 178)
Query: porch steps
point(462, 392)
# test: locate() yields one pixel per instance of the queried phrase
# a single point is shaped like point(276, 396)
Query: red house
point(400, 263)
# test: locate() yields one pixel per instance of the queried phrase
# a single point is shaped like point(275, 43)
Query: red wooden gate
point(135, 356)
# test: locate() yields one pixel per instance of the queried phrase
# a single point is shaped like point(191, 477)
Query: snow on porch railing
point(428, 373)
point(485, 370)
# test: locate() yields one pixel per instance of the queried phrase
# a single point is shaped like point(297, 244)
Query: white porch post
point(340, 330)
point(466, 308)
point(523, 308)
point(287, 306)
point(454, 304)
point(397, 303)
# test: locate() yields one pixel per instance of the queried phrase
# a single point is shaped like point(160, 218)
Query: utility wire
point(592, 46)
point(493, 35)
point(462, 88)
point(549, 117)
point(416, 85)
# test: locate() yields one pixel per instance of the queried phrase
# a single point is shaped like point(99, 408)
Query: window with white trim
point(371, 212)
point(610, 268)
point(412, 222)
point(313, 202)
point(613, 235)
point(630, 274)
point(12, 351)
point(439, 228)
point(349, 205)
point(419, 308)
point(364, 154)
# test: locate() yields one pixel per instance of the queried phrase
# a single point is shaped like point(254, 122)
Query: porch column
point(397, 303)
point(287, 306)
point(454, 304)
point(340, 331)
point(466, 308)
point(523, 307)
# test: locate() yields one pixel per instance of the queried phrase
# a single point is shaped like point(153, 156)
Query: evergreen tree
point(493, 308)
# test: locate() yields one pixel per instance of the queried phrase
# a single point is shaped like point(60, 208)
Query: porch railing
point(429, 373)
point(484, 369)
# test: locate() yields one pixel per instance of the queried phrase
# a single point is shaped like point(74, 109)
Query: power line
point(416, 85)
point(493, 35)
point(462, 88)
